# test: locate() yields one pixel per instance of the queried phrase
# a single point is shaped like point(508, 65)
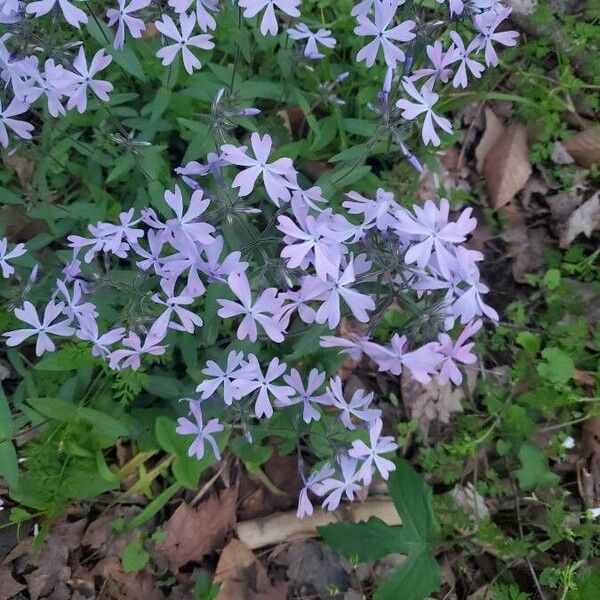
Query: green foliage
point(419, 575)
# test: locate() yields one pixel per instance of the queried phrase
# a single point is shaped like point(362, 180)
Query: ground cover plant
point(220, 272)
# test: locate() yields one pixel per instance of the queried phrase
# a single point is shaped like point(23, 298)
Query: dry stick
point(210, 482)
point(280, 527)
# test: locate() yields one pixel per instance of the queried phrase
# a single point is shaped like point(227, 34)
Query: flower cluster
point(331, 263)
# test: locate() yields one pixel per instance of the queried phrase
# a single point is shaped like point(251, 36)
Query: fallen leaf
point(22, 166)
point(560, 156)
point(9, 587)
point(492, 133)
point(242, 577)
point(506, 167)
point(584, 219)
point(192, 533)
point(126, 586)
point(584, 147)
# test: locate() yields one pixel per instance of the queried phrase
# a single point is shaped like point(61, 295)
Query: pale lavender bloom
point(371, 455)
point(459, 351)
point(204, 18)
point(306, 395)
point(115, 234)
point(379, 212)
point(267, 302)
point(337, 487)
point(214, 268)
point(322, 36)
point(84, 313)
point(96, 243)
point(42, 85)
point(254, 380)
point(487, 23)
point(278, 176)
point(15, 71)
point(425, 100)
point(130, 355)
point(352, 346)
point(10, 11)
point(22, 128)
point(268, 24)
point(72, 270)
point(310, 197)
point(236, 366)
point(456, 6)
point(40, 328)
point(440, 61)
point(100, 343)
point(126, 19)
point(363, 7)
point(75, 84)
point(151, 257)
point(312, 484)
point(73, 15)
point(421, 362)
point(463, 55)
point(358, 407)
point(204, 433)
point(296, 301)
point(174, 304)
point(213, 166)
point(433, 233)
point(339, 287)
point(183, 39)
point(385, 11)
point(5, 256)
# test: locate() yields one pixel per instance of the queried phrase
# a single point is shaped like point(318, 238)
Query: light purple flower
point(312, 484)
point(440, 61)
point(213, 166)
point(253, 380)
point(126, 19)
point(204, 433)
point(268, 24)
point(183, 39)
point(267, 302)
point(42, 85)
point(115, 234)
point(337, 487)
point(278, 176)
point(459, 352)
point(22, 128)
point(424, 102)
point(235, 368)
point(456, 6)
point(487, 23)
point(385, 11)
point(463, 55)
point(73, 15)
point(216, 269)
point(100, 343)
point(379, 212)
point(6, 255)
point(174, 304)
point(371, 455)
point(129, 357)
point(40, 328)
point(321, 36)
point(352, 346)
point(358, 407)
point(204, 18)
point(151, 257)
point(84, 313)
point(306, 395)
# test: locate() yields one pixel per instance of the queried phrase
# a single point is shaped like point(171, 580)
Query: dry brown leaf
point(193, 533)
point(584, 220)
point(9, 587)
point(22, 166)
point(126, 586)
point(506, 167)
point(492, 133)
point(584, 147)
point(242, 577)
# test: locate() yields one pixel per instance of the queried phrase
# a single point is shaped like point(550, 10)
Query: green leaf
point(9, 465)
point(134, 556)
point(587, 586)
point(558, 366)
point(417, 578)
point(534, 471)
point(154, 506)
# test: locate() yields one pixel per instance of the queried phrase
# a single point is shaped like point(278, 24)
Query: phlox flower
point(424, 102)
point(213, 166)
point(463, 55)
point(10, 11)
point(203, 16)
point(41, 328)
point(204, 433)
point(183, 39)
point(268, 23)
point(278, 176)
point(456, 6)
point(217, 377)
point(322, 36)
point(357, 408)
point(458, 351)
point(22, 128)
point(42, 85)
point(487, 23)
point(116, 234)
point(72, 14)
point(352, 346)
point(100, 343)
point(347, 484)
point(129, 357)
point(6, 255)
point(379, 212)
point(151, 258)
point(254, 380)
point(76, 83)
point(371, 455)
point(175, 305)
point(126, 19)
point(439, 61)
point(385, 11)
point(306, 395)
point(84, 313)
point(312, 484)
point(217, 269)
point(257, 312)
